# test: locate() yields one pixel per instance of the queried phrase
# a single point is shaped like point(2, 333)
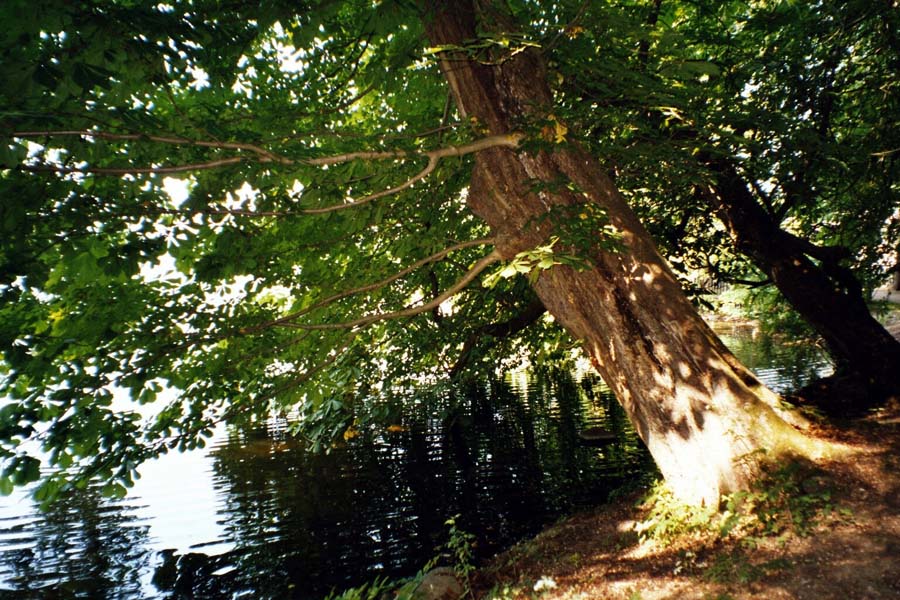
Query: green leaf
point(11, 155)
point(24, 470)
point(114, 490)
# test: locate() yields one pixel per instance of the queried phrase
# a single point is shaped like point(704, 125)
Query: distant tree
point(347, 166)
point(774, 117)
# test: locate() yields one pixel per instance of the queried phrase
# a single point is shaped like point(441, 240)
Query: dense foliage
point(215, 212)
point(799, 99)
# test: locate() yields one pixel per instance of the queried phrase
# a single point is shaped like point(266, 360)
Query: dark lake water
point(255, 515)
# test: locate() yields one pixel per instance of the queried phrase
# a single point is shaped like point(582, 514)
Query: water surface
point(257, 515)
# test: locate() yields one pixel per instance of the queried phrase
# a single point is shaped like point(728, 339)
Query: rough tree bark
point(706, 419)
point(826, 295)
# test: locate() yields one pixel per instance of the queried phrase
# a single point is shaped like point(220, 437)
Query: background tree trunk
point(826, 295)
point(705, 418)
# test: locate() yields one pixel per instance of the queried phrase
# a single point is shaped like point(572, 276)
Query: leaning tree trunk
point(826, 295)
point(705, 418)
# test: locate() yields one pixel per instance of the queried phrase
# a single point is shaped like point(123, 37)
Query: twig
point(213, 164)
point(308, 374)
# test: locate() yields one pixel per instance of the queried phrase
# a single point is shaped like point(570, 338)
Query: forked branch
point(456, 288)
point(287, 319)
point(510, 140)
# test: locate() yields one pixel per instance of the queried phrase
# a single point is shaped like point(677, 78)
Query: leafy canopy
point(216, 212)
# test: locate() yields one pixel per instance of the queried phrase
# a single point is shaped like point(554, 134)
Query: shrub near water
point(459, 551)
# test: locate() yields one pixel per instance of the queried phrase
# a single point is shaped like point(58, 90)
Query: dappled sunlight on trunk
point(706, 419)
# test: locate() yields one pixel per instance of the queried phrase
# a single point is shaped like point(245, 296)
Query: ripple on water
point(256, 515)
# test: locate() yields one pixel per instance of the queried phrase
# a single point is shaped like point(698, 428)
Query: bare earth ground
point(852, 553)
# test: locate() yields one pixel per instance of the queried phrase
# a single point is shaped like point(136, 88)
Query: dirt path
point(852, 553)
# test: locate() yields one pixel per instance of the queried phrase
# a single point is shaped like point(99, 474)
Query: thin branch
point(349, 101)
point(264, 154)
point(767, 200)
point(431, 166)
point(505, 329)
point(334, 133)
point(184, 115)
point(751, 283)
point(369, 287)
point(568, 27)
point(448, 104)
point(644, 47)
point(213, 164)
point(460, 285)
point(213, 212)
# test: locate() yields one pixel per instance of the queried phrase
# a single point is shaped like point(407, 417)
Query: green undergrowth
point(789, 500)
point(458, 552)
point(384, 587)
point(373, 590)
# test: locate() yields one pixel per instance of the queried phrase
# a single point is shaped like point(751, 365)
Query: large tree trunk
point(705, 418)
point(826, 295)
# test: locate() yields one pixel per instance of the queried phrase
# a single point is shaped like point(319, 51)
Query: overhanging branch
point(432, 164)
point(457, 287)
point(188, 168)
point(264, 154)
point(505, 329)
point(510, 140)
point(287, 319)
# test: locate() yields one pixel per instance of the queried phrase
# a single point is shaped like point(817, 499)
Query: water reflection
point(781, 365)
point(507, 459)
point(258, 516)
point(82, 547)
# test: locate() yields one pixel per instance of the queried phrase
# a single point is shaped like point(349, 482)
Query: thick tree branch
point(510, 140)
point(434, 156)
point(766, 199)
point(644, 47)
point(457, 287)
